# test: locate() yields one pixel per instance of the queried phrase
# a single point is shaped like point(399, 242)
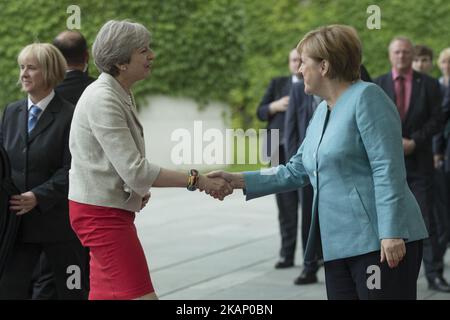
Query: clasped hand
point(219, 184)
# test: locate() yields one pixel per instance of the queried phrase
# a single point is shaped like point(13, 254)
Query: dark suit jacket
point(441, 142)
point(9, 222)
point(423, 120)
point(278, 88)
point(365, 76)
point(40, 163)
point(298, 115)
point(73, 86)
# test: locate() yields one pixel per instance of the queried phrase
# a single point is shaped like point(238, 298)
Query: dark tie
point(33, 115)
point(401, 96)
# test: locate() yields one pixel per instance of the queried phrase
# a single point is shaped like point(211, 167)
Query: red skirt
point(118, 268)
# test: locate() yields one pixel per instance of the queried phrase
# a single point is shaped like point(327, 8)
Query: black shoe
point(439, 284)
point(305, 278)
point(284, 263)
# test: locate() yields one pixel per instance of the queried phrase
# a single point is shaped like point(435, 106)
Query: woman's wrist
point(238, 181)
point(201, 182)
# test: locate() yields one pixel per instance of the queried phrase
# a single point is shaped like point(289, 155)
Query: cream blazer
point(109, 167)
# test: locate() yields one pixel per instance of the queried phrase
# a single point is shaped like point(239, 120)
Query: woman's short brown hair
point(49, 58)
point(339, 45)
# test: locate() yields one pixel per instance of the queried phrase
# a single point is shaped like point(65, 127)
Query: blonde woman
point(35, 133)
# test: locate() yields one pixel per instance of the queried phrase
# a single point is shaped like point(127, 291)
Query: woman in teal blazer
point(365, 218)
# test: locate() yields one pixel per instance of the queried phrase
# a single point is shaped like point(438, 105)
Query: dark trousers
point(287, 203)
point(42, 279)
point(63, 258)
point(433, 259)
point(441, 213)
point(447, 174)
point(354, 278)
point(306, 195)
point(43, 284)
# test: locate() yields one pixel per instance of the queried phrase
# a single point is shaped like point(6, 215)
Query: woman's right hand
point(217, 187)
point(236, 180)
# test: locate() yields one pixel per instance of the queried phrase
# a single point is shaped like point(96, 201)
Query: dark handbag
point(9, 222)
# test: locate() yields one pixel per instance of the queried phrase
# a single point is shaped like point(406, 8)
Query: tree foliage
point(220, 50)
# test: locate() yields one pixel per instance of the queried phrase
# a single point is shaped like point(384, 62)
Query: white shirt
point(41, 104)
point(295, 78)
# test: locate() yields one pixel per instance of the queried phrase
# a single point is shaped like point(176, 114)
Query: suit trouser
point(287, 203)
point(448, 207)
point(43, 282)
point(63, 257)
point(306, 195)
point(433, 261)
point(441, 214)
point(352, 279)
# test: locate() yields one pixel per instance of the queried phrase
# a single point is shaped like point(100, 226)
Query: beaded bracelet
point(193, 180)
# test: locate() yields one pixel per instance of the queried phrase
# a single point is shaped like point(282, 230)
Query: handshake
point(219, 184)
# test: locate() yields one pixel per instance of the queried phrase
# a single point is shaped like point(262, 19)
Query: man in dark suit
point(418, 100)
point(74, 48)
point(423, 62)
point(441, 149)
point(299, 113)
point(272, 109)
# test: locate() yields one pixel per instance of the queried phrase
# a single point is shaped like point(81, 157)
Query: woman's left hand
point(392, 250)
point(23, 203)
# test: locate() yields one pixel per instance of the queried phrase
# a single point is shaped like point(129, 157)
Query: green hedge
point(223, 50)
point(273, 28)
point(198, 44)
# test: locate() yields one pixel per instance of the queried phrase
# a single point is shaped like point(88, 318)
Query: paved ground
point(200, 248)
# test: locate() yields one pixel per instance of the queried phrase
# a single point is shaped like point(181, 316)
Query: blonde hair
point(49, 59)
point(339, 45)
point(444, 55)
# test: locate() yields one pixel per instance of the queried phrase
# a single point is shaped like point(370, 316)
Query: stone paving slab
point(199, 248)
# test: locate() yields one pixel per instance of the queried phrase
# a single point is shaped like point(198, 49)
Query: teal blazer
point(353, 157)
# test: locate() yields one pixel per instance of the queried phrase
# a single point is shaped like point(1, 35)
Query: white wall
point(161, 116)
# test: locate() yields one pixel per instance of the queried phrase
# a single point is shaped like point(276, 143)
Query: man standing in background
point(74, 48)
point(418, 100)
point(423, 62)
point(272, 109)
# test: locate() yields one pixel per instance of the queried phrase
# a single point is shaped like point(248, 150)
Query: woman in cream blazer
point(110, 176)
